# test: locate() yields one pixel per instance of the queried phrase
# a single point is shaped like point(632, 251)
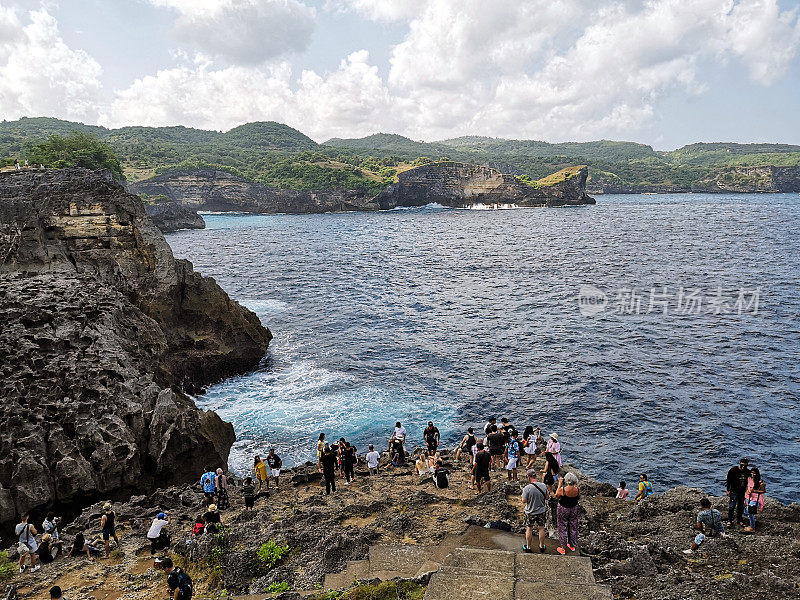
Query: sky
point(660, 72)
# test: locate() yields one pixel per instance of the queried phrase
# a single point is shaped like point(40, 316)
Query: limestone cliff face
point(752, 179)
point(219, 190)
point(459, 185)
point(103, 331)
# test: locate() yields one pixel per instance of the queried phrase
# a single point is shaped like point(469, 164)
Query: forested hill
point(281, 156)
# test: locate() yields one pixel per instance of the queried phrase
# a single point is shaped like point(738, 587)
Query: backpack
point(648, 489)
point(184, 583)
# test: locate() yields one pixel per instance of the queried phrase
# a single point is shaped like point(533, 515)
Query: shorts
point(276, 472)
point(699, 538)
point(209, 495)
point(512, 463)
point(530, 449)
point(109, 533)
point(482, 476)
point(496, 451)
point(249, 501)
point(535, 520)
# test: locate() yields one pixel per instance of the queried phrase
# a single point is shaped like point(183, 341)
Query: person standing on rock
point(431, 437)
point(468, 441)
point(249, 493)
point(50, 525)
point(329, 469)
point(209, 486)
point(372, 460)
point(487, 429)
point(480, 469)
point(109, 527)
point(274, 463)
point(554, 448)
point(736, 487)
point(512, 456)
point(497, 447)
point(260, 470)
point(320, 448)
point(221, 487)
point(349, 458)
point(535, 496)
point(27, 544)
point(529, 446)
point(568, 495)
point(754, 497)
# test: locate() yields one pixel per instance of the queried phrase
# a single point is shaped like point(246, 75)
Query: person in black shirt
point(212, 519)
point(328, 461)
point(178, 582)
point(275, 463)
point(480, 470)
point(441, 476)
point(736, 486)
point(397, 452)
point(348, 460)
point(497, 446)
point(431, 437)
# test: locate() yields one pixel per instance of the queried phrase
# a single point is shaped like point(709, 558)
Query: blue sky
point(662, 72)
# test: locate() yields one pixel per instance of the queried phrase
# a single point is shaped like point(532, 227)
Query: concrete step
point(455, 583)
point(493, 539)
point(406, 560)
point(526, 590)
point(499, 562)
point(546, 568)
point(355, 570)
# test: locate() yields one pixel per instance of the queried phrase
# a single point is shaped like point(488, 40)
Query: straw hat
point(554, 436)
point(213, 508)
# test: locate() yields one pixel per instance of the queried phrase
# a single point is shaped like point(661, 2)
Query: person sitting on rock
point(441, 476)
point(199, 526)
point(397, 452)
point(709, 522)
point(48, 550)
point(213, 519)
point(422, 466)
point(622, 491)
point(178, 582)
point(157, 534)
point(645, 488)
point(81, 546)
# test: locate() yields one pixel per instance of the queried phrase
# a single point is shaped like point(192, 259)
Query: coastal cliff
point(452, 184)
point(208, 189)
point(459, 185)
point(104, 332)
point(751, 179)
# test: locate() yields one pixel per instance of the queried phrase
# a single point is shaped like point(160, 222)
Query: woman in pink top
point(754, 497)
point(554, 447)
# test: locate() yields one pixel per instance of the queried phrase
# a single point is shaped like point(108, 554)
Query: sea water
point(654, 333)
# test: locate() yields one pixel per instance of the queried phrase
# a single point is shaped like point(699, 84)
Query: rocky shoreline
point(104, 334)
point(634, 548)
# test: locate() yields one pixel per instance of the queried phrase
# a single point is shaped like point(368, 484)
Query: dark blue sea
point(656, 333)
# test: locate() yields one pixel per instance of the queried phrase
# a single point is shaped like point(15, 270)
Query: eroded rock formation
point(170, 216)
point(103, 331)
point(459, 185)
point(752, 179)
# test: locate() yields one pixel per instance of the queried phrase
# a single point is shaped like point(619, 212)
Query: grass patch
point(7, 567)
point(270, 553)
point(277, 587)
point(386, 590)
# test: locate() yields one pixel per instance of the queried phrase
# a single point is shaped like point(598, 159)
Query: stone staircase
point(481, 564)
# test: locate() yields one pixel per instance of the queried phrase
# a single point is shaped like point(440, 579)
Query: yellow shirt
point(261, 471)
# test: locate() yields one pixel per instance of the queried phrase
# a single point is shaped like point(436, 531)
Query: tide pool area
point(683, 359)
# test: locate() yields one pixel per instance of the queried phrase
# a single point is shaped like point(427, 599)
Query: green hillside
point(279, 155)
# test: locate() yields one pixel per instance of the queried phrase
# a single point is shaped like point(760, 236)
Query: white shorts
point(276, 472)
point(512, 463)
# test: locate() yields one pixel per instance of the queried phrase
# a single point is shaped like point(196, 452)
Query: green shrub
point(76, 149)
point(271, 553)
point(277, 588)
point(7, 567)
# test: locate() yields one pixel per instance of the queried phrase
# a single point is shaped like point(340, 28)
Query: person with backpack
point(108, 526)
point(645, 488)
point(178, 581)
point(27, 544)
point(535, 496)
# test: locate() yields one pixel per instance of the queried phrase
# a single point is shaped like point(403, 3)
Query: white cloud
point(243, 31)
point(350, 100)
point(380, 10)
point(40, 74)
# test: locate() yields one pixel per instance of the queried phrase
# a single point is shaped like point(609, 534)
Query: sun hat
point(212, 508)
point(47, 537)
point(554, 435)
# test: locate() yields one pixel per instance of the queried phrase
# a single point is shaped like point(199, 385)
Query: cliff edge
point(104, 330)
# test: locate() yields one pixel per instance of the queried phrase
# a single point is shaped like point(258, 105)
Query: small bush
point(271, 553)
point(277, 588)
point(7, 567)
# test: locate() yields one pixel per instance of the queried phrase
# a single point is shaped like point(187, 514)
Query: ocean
point(653, 333)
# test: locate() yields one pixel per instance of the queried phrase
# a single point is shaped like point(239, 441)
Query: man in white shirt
point(372, 460)
point(156, 535)
point(400, 432)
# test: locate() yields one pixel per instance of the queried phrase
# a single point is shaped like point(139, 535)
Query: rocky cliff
point(170, 216)
point(752, 179)
point(459, 185)
point(103, 331)
point(219, 190)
